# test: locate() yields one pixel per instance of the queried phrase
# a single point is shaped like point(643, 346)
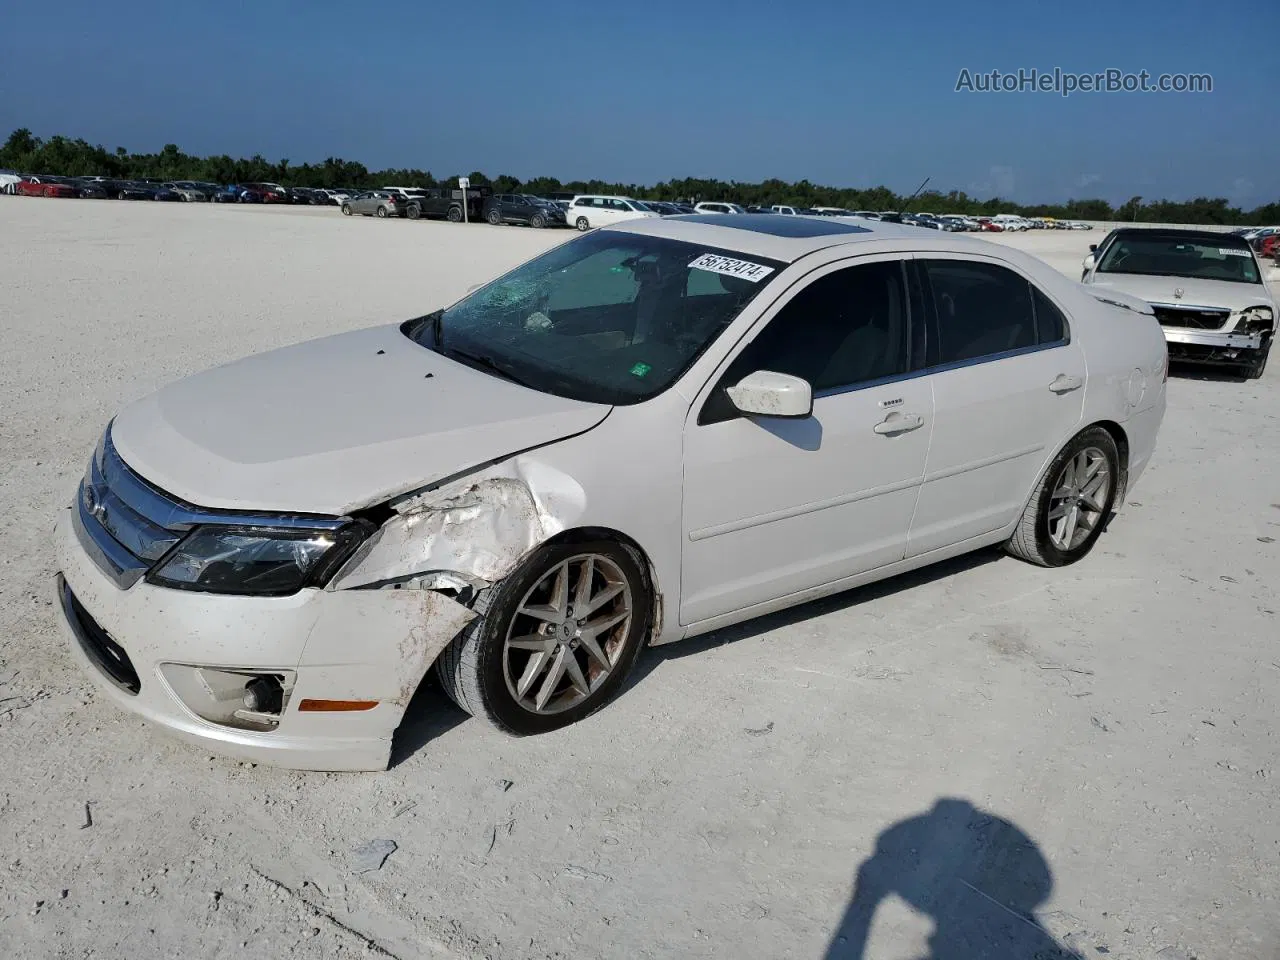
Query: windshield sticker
point(641, 370)
point(742, 269)
point(1233, 252)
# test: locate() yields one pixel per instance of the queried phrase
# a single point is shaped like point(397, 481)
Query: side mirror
point(1093, 248)
point(769, 394)
point(1087, 263)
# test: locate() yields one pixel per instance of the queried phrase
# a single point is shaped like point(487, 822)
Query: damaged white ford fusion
point(647, 433)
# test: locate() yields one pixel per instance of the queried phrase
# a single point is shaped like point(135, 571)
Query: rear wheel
point(582, 224)
point(454, 215)
point(1071, 504)
point(346, 210)
point(554, 641)
point(382, 212)
point(413, 212)
point(494, 217)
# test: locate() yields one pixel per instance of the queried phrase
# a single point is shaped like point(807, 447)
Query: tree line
point(63, 156)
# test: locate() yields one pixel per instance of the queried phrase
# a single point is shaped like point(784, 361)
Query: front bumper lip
point(1227, 340)
point(401, 632)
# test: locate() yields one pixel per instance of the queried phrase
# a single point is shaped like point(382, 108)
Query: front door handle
point(899, 423)
point(1064, 384)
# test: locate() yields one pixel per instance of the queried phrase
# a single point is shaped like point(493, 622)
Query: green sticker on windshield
point(641, 370)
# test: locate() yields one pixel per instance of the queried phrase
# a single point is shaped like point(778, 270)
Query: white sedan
point(650, 432)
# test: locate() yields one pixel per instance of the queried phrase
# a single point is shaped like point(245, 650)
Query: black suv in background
point(522, 208)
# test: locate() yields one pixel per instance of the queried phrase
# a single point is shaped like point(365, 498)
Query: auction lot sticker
point(742, 269)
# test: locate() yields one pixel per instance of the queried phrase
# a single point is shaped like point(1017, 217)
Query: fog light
point(245, 699)
point(264, 695)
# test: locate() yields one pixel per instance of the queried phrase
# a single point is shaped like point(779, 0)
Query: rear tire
point(382, 213)
point(582, 224)
point(346, 210)
point(494, 218)
point(1071, 504)
point(484, 669)
point(454, 215)
point(413, 212)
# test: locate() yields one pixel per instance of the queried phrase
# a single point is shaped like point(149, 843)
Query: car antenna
point(897, 217)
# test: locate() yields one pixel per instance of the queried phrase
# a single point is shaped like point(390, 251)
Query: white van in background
point(593, 210)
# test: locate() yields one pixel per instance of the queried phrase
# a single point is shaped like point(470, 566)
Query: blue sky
point(848, 94)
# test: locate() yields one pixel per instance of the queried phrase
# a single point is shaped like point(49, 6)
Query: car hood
point(334, 425)
point(1195, 293)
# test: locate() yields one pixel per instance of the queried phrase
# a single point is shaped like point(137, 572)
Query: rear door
point(1008, 388)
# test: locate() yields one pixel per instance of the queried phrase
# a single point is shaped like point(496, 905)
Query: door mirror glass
point(1093, 248)
point(769, 394)
point(1087, 263)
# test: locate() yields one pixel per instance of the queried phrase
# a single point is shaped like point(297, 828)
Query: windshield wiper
point(485, 362)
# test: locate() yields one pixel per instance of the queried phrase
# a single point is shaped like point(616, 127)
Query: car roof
point(787, 238)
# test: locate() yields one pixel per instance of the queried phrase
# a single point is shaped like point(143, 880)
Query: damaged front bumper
point(1213, 346)
point(333, 646)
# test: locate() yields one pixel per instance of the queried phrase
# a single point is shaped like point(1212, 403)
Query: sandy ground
point(1107, 732)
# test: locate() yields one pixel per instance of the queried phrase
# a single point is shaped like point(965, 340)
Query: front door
point(775, 506)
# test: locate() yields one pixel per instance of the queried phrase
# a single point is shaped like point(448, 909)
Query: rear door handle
point(899, 423)
point(1064, 384)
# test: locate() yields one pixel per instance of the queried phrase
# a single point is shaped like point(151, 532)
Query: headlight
point(253, 560)
point(1256, 319)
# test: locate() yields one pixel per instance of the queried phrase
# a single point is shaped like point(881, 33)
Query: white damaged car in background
point(1207, 289)
point(647, 433)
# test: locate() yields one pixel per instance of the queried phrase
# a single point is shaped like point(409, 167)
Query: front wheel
point(582, 224)
point(1254, 370)
point(1071, 504)
point(554, 641)
point(346, 210)
point(538, 221)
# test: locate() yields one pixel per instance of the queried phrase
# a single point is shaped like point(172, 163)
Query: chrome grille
point(1193, 318)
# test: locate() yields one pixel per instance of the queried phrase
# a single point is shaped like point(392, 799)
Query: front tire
point(538, 221)
point(1259, 364)
point(346, 210)
point(582, 224)
point(1071, 504)
point(553, 642)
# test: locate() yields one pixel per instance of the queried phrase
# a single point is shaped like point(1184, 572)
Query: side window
point(845, 328)
point(1051, 325)
point(982, 309)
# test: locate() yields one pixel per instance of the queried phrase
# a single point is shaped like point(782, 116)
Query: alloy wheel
point(568, 634)
point(1079, 499)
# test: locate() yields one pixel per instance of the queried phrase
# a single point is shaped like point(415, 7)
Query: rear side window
point(982, 310)
point(1051, 325)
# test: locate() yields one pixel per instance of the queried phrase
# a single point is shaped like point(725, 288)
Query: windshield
point(1171, 255)
point(610, 317)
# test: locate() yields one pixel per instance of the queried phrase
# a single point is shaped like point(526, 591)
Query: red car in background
point(1270, 246)
point(44, 187)
point(269, 192)
point(990, 225)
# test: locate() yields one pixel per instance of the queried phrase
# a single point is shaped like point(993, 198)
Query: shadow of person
point(977, 876)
